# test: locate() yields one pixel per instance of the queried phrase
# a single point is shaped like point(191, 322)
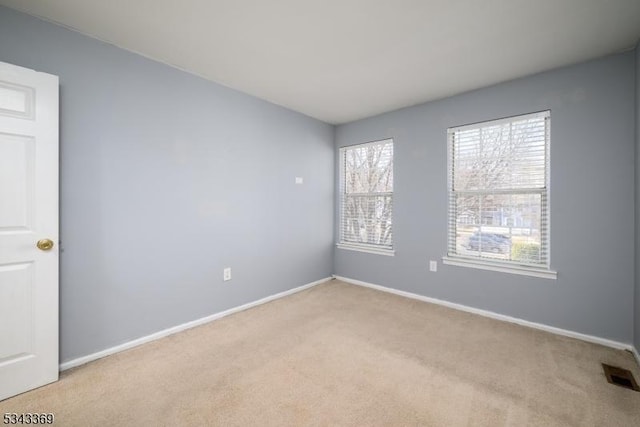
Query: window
point(499, 195)
point(366, 197)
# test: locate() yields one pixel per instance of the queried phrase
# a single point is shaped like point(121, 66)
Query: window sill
point(504, 268)
point(367, 249)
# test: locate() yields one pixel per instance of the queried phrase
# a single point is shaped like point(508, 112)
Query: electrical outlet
point(433, 265)
point(227, 274)
point(299, 180)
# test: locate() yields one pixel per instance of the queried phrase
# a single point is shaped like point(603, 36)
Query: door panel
point(16, 100)
point(28, 213)
point(16, 329)
point(16, 181)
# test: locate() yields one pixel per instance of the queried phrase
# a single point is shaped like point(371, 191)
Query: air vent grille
point(620, 377)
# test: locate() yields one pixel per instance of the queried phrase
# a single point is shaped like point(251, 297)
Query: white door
point(28, 227)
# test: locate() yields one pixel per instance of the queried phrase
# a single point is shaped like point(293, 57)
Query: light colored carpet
point(340, 354)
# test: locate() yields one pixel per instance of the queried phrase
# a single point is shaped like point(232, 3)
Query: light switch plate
point(433, 265)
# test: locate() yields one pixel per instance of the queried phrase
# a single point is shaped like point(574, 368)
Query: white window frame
point(355, 246)
point(507, 266)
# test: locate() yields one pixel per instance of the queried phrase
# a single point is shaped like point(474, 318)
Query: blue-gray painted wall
point(166, 179)
point(636, 327)
point(592, 199)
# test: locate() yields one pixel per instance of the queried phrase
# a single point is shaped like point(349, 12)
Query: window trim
point(370, 249)
point(353, 246)
point(514, 267)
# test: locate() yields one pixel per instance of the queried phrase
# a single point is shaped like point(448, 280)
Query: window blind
point(498, 190)
point(366, 195)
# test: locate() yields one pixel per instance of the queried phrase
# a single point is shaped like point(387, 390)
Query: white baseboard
point(636, 354)
point(497, 316)
point(192, 324)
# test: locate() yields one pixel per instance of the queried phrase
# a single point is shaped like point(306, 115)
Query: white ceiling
point(341, 60)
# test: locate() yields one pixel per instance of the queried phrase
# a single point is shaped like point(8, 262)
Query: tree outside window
point(366, 189)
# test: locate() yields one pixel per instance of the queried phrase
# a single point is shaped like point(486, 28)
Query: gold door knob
point(44, 244)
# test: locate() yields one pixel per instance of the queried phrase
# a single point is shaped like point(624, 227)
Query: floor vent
point(620, 377)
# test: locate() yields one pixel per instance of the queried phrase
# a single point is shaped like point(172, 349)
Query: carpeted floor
point(339, 354)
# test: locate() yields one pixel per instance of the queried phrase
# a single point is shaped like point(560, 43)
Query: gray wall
point(592, 199)
point(167, 178)
point(636, 327)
